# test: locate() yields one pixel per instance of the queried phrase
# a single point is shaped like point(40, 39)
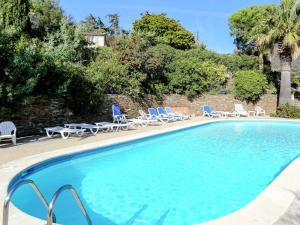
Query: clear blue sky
point(208, 17)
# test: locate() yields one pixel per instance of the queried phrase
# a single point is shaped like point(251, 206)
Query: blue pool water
point(181, 178)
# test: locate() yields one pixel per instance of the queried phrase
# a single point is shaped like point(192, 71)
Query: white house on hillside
point(98, 40)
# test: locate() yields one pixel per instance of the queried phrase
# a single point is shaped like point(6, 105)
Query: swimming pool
point(183, 177)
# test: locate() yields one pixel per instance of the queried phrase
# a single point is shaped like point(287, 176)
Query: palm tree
point(283, 38)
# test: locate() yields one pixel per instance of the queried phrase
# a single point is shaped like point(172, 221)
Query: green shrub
point(287, 111)
point(108, 74)
point(81, 96)
point(166, 29)
point(191, 77)
point(21, 67)
point(233, 62)
point(249, 85)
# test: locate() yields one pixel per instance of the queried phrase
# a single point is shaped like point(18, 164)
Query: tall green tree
point(114, 28)
point(166, 29)
point(248, 23)
point(93, 24)
point(15, 13)
point(114, 21)
point(45, 17)
point(283, 39)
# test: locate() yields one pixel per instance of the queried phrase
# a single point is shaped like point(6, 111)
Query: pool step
point(162, 218)
point(134, 219)
point(136, 215)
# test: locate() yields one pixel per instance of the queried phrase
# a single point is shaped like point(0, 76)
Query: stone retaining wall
point(52, 112)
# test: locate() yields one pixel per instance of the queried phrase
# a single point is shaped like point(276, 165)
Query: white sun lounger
point(149, 121)
point(240, 111)
point(170, 113)
point(92, 128)
point(8, 130)
point(64, 132)
point(138, 122)
point(114, 126)
point(105, 126)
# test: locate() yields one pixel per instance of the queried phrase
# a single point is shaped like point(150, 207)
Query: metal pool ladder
point(75, 195)
point(11, 193)
point(50, 214)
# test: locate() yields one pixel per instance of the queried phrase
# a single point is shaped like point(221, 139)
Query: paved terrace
point(36, 145)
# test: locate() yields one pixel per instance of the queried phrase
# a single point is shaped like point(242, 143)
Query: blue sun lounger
point(117, 116)
point(207, 111)
point(162, 113)
point(154, 115)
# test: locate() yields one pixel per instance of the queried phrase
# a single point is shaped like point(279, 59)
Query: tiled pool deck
point(279, 204)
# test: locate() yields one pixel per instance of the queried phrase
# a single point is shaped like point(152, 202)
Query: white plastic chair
point(259, 111)
point(8, 130)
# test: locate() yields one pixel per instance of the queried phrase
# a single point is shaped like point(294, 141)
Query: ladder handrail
point(78, 201)
point(11, 193)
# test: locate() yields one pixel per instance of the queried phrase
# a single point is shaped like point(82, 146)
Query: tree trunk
point(261, 62)
point(285, 82)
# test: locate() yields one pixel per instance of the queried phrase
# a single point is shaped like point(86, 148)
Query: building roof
point(94, 34)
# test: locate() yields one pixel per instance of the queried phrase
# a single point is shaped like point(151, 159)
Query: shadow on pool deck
point(292, 216)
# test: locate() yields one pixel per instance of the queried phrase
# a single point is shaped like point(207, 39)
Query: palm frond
point(290, 39)
point(295, 51)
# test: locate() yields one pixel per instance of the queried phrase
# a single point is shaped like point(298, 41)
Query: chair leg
point(14, 140)
point(49, 133)
point(94, 132)
point(80, 133)
point(65, 136)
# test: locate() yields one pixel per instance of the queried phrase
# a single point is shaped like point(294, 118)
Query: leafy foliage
point(249, 85)
point(283, 38)
point(21, 67)
point(79, 91)
point(272, 29)
point(191, 77)
point(166, 29)
point(96, 25)
point(159, 57)
point(233, 62)
point(15, 13)
point(287, 111)
point(46, 17)
point(110, 76)
point(250, 22)
point(295, 81)
point(93, 24)
point(157, 67)
point(31, 68)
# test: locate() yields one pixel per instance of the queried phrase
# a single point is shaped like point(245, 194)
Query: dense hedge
point(249, 85)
